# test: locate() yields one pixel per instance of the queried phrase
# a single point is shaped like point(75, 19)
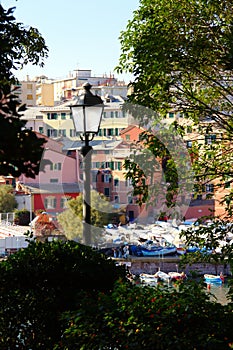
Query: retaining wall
point(152, 265)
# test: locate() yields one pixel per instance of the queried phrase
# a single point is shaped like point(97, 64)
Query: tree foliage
point(160, 318)
point(63, 295)
point(41, 282)
point(19, 45)
point(20, 149)
point(23, 217)
point(71, 218)
point(7, 199)
point(181, 54)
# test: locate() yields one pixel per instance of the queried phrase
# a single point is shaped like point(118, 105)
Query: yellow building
point(44, 94)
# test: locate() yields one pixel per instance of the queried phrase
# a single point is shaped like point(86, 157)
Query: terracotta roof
point(130, 127)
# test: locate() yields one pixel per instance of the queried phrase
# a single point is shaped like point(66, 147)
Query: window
point(52, 115)
point(131, 215)
point(107, 178)
point(52, 133)
point(63, 202)
point(117, 132)
point(93, 175)
point(209, 139)
point(100, 132)
point(41, 130)
point(116, 182)
point(72, 133)
point(104, 115)
point(106, 191)
point(123, 114)
point(116, 199)
point(127, 137)
point(29, 97)
point(117, 165)
point(62, 132)
point(130, 200)
point(63, 115)
point(50, 202)
point(53, 181)
point(189, 144)
point(112, 114)
point(55, 166)
point(209, 188)
point(109, 132)
point(128, 182)
point(116, 114)
point(29, 86)
point(171, 115)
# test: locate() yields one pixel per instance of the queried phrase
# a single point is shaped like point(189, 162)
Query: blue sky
point(79, 34)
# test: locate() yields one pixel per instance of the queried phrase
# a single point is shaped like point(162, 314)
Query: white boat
point(147, 279)
point(213, 278)
point(163, 276)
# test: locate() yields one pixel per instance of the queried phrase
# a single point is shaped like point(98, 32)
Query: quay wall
point(152, 265)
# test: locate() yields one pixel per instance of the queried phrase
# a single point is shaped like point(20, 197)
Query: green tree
point(19, 45)
point(22, 217)
point(7, 199)
point(63, 295)
point(71, 218)
point(20, 149)
point(41, 282)
point(160, 318)
point(181, 54)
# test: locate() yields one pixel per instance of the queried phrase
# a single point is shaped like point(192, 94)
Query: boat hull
point(162, 276)
point(213, 279)
point(147, 279)
point(158, 252)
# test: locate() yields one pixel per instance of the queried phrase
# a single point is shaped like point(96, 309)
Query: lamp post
point(87, 114)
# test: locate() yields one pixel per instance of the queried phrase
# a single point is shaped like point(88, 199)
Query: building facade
point(55, 183)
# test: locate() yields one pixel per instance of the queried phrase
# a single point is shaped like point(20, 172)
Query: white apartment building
point(56, 122)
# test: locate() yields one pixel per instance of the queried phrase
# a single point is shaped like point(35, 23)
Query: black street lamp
point(87, 114)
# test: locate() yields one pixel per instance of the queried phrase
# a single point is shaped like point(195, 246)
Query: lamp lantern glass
point(88, 111)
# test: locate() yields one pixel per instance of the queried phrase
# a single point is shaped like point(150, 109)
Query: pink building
point(55, 183)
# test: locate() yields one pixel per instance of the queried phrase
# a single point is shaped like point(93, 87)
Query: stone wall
point(151, 266)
